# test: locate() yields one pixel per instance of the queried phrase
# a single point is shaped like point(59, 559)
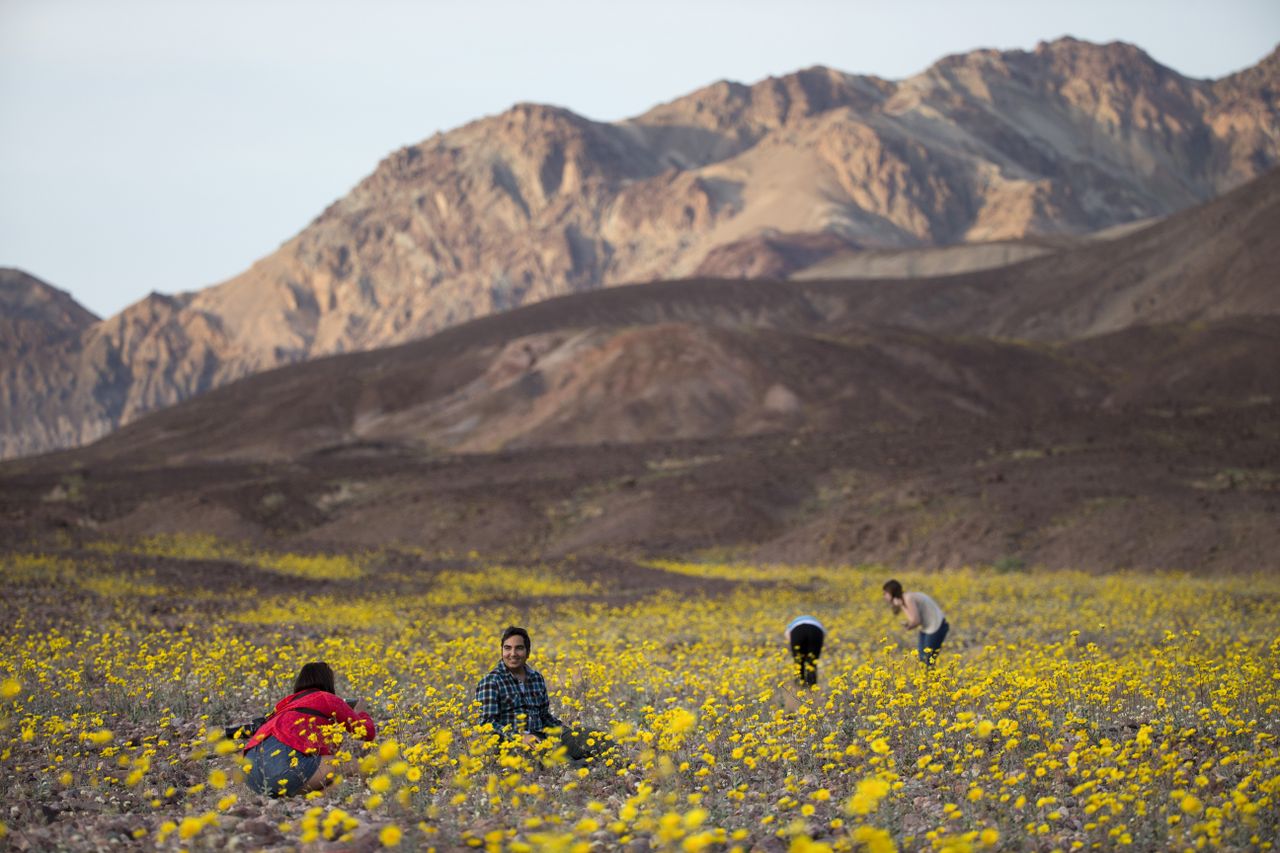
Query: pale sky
point(167, 144)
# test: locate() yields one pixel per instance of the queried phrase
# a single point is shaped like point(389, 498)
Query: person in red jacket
point(292, 752)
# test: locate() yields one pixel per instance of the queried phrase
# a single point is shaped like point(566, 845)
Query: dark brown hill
point(606, 384)
point(1179, 486)
point(987, 147)
point(1208, 364)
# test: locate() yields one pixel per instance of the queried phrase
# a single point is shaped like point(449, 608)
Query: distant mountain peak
point(34, 313)
point(736, 179)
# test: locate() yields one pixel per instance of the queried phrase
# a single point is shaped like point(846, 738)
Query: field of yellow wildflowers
point(1068, 711)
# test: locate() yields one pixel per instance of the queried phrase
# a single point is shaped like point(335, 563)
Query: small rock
point(257, 827)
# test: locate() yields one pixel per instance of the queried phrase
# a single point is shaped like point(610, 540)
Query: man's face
point(514, 652)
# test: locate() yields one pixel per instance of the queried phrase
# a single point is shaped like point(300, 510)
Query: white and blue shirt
point(804, 620)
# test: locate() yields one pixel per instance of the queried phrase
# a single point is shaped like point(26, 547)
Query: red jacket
point(305, 730)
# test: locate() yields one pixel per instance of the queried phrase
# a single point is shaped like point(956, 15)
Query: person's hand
point(530, 740)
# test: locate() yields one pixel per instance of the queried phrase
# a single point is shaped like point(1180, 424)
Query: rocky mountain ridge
point(1108, 405)
point(1184, 312)
point(538, 202)
point(34, 315)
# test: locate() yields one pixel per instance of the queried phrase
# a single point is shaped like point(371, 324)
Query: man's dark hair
point(513, 631)
point(893, 588)
point(316, 675)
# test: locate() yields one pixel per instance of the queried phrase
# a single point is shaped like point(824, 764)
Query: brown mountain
point(1149, 447)
point(34, 315)
point(935, 422)
point(731, 180)
point(714, 358)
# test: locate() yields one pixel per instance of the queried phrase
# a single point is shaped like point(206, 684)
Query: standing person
point(292, 752)
point(922, 612)
point(513, 700)
point(804, 637)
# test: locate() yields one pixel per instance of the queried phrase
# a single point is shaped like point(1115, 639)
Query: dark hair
point(513, 631)
point(893, 588)
point(314, 676)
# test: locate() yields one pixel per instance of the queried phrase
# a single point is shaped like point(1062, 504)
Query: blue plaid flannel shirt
point(503, 700)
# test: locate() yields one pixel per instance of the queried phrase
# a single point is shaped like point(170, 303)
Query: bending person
point(923, 613)
point(804, 637)
point(292, 752)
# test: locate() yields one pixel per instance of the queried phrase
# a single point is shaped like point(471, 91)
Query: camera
point(244, 730)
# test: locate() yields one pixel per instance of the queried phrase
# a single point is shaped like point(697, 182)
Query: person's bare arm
point(361, 724)
point(912, 619)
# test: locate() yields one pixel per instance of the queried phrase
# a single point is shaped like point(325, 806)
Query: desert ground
point(1068, 710)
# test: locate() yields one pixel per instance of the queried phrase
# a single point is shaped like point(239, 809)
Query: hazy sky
point(167, 144)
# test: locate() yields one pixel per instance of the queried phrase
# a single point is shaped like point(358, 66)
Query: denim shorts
point(279, 770)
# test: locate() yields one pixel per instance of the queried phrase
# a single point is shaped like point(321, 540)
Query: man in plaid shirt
point(513, 695)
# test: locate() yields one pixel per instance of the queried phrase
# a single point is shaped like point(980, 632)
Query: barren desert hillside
point(1016, 151)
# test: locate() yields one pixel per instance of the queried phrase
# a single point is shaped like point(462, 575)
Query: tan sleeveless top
point(931, 615)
